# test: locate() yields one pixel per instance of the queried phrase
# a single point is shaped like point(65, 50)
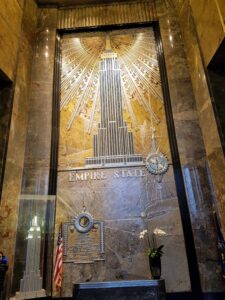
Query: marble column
point(187, 17)
point(191, 146)
point(38, 145)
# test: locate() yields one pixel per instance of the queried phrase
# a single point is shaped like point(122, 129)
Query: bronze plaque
point(83, 247)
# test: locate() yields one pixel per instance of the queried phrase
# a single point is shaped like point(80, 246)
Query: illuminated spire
point(107, 43)
point(108, 53)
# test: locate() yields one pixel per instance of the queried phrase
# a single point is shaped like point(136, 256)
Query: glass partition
point(34, 244)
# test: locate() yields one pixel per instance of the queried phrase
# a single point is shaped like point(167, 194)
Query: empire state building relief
point(113, 144)
point(111, 99)
point(114, 158)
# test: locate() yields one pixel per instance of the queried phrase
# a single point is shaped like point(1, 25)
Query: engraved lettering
point(129, 174)
point(142, 173)
point(95, 175)
point(98, 176)
point(86, 175)
point(103, 175)
point(79, 176)
point(137, 172)
point(116, 174)
point(72, 176)
point(123, 173)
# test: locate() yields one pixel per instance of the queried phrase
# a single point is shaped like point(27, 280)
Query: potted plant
point(154, 254)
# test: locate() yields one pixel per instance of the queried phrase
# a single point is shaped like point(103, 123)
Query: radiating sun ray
point(140, 78)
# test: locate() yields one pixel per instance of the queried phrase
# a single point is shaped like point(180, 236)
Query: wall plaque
point(83, 239)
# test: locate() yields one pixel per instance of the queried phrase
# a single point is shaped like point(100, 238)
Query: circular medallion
point(157, 163)
point(83, 222)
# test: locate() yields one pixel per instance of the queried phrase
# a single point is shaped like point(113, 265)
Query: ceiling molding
point(110, 14)
point(72, 3)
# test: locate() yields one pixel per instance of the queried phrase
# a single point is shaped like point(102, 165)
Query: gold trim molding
point(110, 14)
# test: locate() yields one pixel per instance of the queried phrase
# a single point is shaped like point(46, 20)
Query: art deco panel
point(114, 160)
point(97, 15)
point(111, 99)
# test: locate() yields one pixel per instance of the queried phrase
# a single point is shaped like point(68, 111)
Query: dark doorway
point(5, 117)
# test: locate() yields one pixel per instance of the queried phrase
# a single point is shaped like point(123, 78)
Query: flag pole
point(60, 289)
point(60, 293)
point(59, 262)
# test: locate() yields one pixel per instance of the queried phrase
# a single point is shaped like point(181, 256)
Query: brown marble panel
point(188, 130)
point(206, 115)
point(38, 144)
point(204, 106)
point(121, 203)
point(217, 167)
point(189, 139)
point(203, 100)
point(200, 201)
point(35, 179)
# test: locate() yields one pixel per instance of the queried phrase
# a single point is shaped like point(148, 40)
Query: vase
point(155, 267)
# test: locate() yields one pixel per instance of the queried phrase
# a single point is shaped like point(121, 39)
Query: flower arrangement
point(154, 253)
point(153, 250)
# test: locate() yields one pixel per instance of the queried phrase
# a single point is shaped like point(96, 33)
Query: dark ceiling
point(75, 2)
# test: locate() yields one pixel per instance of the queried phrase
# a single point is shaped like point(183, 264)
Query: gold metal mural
point(108, 13)
point(111, 99)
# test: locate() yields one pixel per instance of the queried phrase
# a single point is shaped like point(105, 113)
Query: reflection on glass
point(34, 233)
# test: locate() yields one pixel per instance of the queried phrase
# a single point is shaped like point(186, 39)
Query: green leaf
point(160, 247)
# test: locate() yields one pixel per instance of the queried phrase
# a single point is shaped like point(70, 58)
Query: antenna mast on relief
point(108, 46)
point(108, 52)
point(154, 146)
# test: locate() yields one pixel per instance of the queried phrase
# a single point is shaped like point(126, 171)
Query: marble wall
point(17, 135)
point(187, 17)
point(189, 137)
point(128, 201)
point(209, 23)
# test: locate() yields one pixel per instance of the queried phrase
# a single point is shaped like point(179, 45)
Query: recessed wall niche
point(112, 117)
point(217, 83)
point(5, 117)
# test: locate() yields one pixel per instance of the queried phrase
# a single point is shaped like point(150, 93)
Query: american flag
point(58, 260)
